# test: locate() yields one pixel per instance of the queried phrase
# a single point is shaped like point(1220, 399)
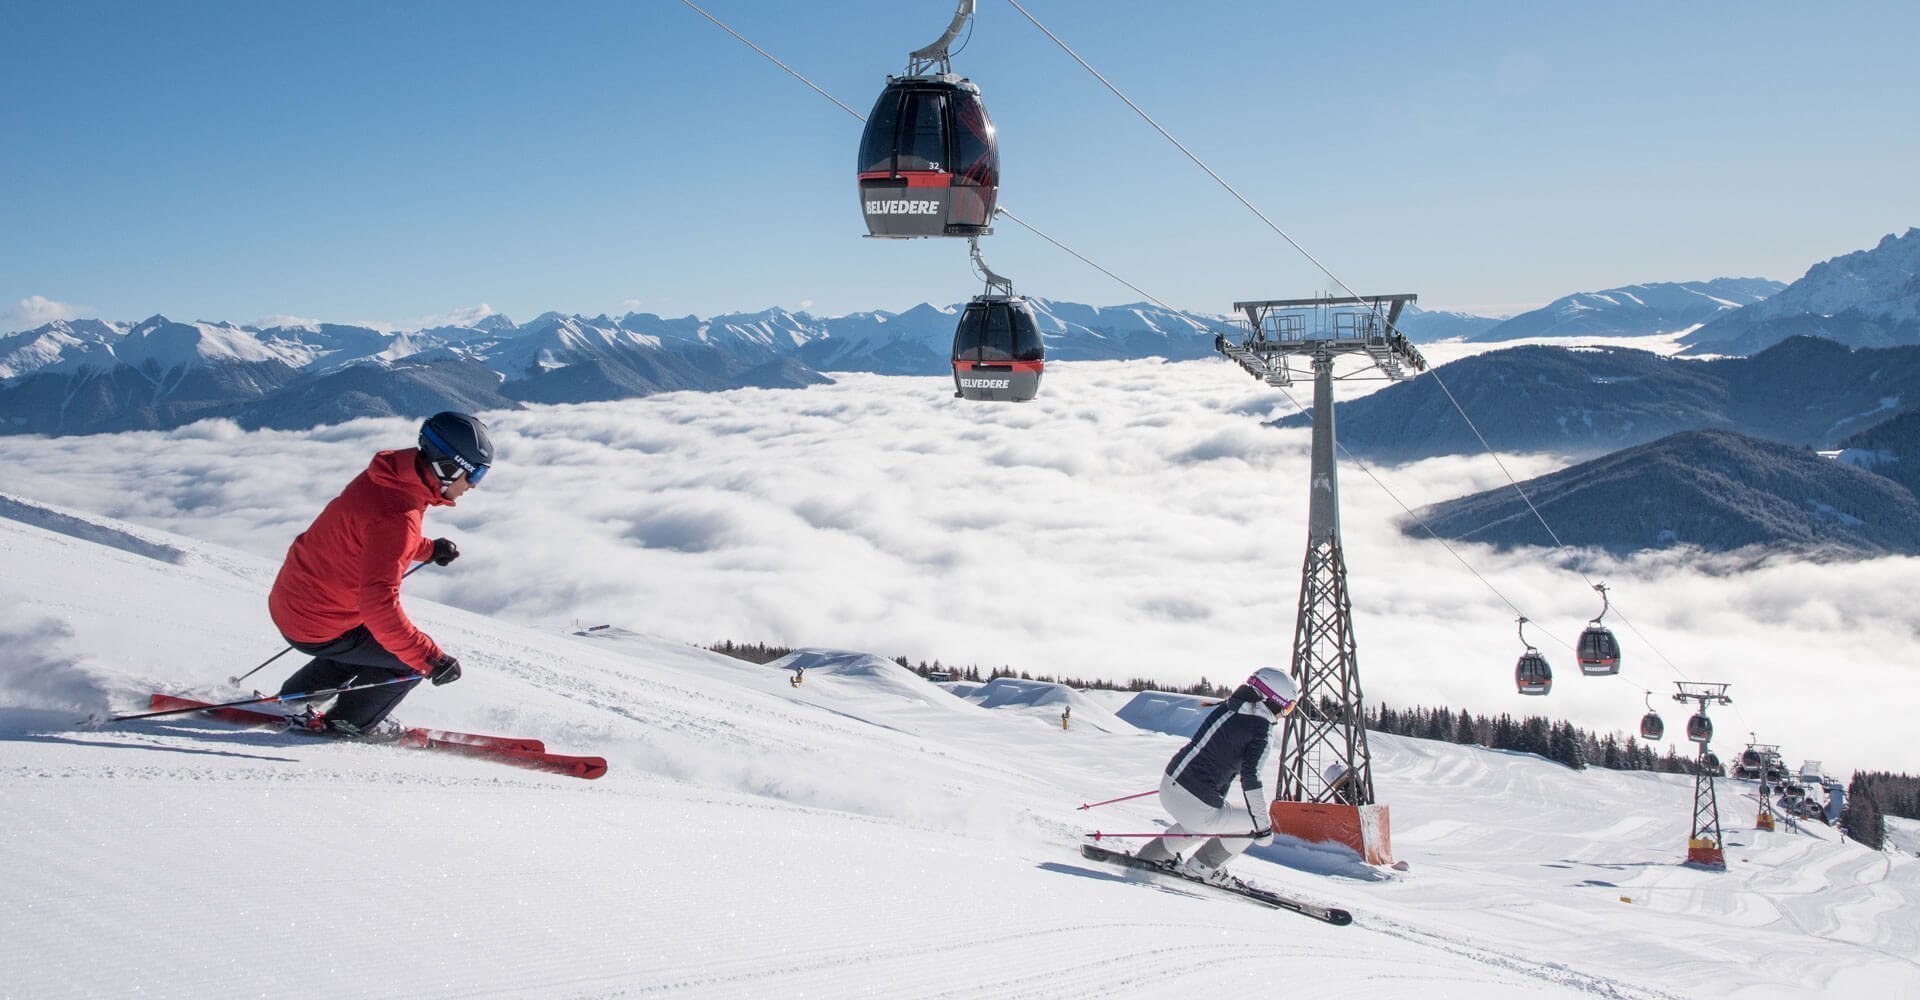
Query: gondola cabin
point(1652, 727)
point(1700, 728)
point(1710, 764)
point(929, 164)
point(1531, 674)
point(997, 351)
point(1598, 651)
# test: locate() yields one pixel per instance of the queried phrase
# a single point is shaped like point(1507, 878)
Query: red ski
point(475, 739)
point(442, 739)
point(552, 763)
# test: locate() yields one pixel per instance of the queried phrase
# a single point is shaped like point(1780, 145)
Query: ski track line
point(760, 974)
point(1477, 958)
point(1557, 974)
point(1189, 963)
point(1820, 921)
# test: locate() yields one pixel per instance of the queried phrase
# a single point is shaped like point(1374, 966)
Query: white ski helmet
point(1277, 687)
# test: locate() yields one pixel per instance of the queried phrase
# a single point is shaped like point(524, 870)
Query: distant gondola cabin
point(1599, 652)
point(1700, 728)
point(1531, 674)
point(998, 353)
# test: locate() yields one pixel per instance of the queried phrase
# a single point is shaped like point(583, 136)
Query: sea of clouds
point(1136, 520)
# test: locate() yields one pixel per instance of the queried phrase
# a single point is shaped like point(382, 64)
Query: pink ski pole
point(1123, 798)
point(1097, 835)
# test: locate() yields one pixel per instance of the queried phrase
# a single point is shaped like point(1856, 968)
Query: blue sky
point(391, 163)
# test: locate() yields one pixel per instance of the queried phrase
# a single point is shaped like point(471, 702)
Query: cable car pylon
point(1705, 845)
point(1325, 790)
point(1754, 760)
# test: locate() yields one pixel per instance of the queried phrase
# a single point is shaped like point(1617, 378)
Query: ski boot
point(306, 721)
point(384, 731)
point(1193, 869)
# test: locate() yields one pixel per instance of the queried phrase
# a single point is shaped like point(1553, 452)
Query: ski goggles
point(453, 466)
point(1276, 704)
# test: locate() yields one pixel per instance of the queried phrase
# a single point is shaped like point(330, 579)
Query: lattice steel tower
point(1705, 845)
point(1329, 726)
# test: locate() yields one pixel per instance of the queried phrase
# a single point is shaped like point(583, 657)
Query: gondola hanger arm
point(996, 285)
point(923, 59)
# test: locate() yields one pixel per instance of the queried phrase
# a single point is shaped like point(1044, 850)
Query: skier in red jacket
point(337, 597)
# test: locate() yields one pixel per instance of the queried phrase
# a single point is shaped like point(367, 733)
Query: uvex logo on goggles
point(475, 473)
point(1280, 706)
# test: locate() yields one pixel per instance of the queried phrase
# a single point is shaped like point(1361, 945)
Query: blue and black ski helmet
point(455, 445)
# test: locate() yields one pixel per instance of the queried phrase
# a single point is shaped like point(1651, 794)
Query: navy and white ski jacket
point(1230, 742)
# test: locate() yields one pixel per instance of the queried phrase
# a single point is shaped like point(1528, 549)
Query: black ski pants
point(354, 658)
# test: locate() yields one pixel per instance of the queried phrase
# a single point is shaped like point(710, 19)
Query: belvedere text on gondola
point(903, 207)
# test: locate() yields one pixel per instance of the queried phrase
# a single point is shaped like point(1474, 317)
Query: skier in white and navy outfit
point(1229, 744)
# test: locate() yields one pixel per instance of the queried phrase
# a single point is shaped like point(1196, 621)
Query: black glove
point(444, 551)
point(446, 670)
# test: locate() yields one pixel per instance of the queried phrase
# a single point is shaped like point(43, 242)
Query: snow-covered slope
point(860, 833)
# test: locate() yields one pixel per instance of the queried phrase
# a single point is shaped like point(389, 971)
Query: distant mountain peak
point(1867, 298)
point(1633, 310)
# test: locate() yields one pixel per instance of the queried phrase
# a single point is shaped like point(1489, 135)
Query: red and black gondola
point(998, 354)
point(1598, 651)
point(929, 162)
point(1532, 675)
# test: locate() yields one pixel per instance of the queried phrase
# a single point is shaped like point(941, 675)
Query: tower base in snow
point(1705, 853)
point(1360, 829)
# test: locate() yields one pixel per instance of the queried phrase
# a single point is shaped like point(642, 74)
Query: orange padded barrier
point(1360, 829)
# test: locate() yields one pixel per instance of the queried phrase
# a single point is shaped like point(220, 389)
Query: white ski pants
point(1190, 815)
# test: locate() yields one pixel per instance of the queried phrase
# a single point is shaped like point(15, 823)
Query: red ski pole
point(1123, 798)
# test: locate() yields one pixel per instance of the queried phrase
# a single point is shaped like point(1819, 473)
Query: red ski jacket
point(344, 570)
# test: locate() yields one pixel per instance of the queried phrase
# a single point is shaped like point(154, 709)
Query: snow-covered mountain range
point(1424, 325)
point(1588, 400)
point(89, 375)
point(1868, 298)
point(1633, 310)
point(83, 376)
